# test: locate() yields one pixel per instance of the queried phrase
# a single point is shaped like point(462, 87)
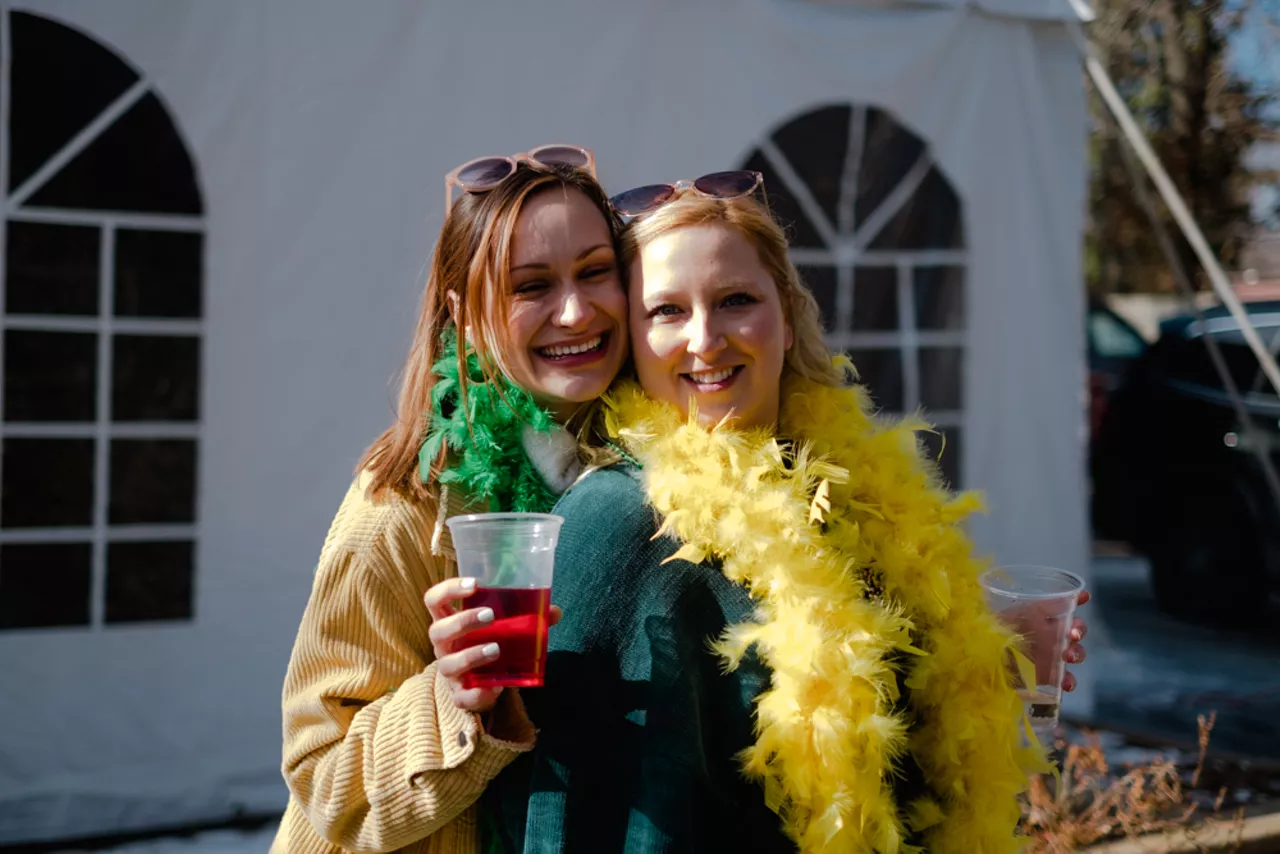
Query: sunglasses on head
point(485, 173)
point(717, 185)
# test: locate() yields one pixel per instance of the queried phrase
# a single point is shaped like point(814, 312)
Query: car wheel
point(1210, 566)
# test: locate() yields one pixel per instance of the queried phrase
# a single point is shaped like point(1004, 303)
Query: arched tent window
point(101, 286)
point(877, 234)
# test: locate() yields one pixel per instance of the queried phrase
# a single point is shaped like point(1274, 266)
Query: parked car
point(1176, 473)
point(1113, 346)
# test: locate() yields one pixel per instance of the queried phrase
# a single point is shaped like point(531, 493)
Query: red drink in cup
point(511, 556)
point(519, 629)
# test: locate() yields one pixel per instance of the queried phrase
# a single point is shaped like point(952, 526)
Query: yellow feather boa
point(800, 533)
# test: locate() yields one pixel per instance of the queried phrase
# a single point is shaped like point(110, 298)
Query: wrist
point(507, 720)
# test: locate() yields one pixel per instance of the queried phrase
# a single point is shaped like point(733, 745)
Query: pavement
point(1153, 674)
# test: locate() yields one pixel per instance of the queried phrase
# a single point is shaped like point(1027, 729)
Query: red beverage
point(519, 629)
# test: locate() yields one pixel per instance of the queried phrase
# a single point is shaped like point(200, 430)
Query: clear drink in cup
point(1038, 603)
point(511, 557)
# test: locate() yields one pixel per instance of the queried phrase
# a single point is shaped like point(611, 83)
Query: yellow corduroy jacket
point(376, 755)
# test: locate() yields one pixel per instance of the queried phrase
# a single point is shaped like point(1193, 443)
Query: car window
point(1270, 336)
point(1113, 338)
point(1249, 377)
point(1225, 329)
point(1234, 336)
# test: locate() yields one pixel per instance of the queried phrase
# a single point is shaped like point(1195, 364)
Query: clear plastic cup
point(511, 556)
point(1038, 603)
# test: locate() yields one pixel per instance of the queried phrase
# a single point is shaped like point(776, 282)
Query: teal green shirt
point(639, 729)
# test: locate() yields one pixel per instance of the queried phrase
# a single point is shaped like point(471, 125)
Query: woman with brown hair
point(522, 325)
point(774, 636)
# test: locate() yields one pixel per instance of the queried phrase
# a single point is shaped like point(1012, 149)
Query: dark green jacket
point(638, 727)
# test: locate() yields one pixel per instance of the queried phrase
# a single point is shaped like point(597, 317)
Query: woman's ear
point(789, 337)
point(455, 311)
point(451, 298)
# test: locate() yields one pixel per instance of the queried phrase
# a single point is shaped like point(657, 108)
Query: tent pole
point(1169, 192)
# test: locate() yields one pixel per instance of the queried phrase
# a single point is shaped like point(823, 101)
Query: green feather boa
point(486, 458)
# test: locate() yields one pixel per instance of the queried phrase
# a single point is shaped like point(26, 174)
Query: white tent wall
point(321, 130)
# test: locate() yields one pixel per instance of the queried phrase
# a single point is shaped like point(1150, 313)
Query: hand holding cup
point(455, 656)
point(1039, 604)
point(1040, 625)
point(505, 564)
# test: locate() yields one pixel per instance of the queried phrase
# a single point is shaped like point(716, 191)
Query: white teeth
point(707, 377)
point(584, 347)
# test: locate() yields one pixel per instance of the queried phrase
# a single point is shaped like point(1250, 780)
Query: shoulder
point(607, 564)
point(610, 500)
point(389, 534)
point(608, 527)
point(363, 521)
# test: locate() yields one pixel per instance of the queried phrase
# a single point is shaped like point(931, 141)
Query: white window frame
point(847, 248)
point(100, 533)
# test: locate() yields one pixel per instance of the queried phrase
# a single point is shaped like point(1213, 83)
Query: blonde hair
point(809, 357)
point(467, 287)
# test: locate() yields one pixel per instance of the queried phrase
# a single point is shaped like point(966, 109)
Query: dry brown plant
point(1087, 802)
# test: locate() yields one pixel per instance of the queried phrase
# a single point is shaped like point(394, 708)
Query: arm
point(375, 751)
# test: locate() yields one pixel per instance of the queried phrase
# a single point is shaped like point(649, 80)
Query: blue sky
point(1255, 50)
point(1256, 54)
point(1266, 200)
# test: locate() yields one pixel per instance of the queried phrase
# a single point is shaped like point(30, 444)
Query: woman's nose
point(705, 337)
point(575, 310)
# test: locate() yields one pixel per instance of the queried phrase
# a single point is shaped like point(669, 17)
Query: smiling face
point(707, 325)
point(567, 332)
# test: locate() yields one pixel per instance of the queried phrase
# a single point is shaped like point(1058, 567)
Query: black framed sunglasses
point(717, 185)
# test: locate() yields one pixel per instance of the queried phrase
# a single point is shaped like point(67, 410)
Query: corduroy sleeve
point(375, 751)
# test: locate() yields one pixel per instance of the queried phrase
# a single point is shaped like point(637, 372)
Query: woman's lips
point(573, 354)
point(715, 380)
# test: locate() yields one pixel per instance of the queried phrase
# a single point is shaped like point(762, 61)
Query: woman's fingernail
point(468, 584)
point(484, 615)
point(490, 650)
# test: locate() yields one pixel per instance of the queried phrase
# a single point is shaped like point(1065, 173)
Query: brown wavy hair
point(809, 356)
point(471, 260)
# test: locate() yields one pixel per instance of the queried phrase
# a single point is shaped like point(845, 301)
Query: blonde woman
point(857, 698)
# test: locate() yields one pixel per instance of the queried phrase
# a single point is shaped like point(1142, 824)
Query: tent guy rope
point(1169, 192)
